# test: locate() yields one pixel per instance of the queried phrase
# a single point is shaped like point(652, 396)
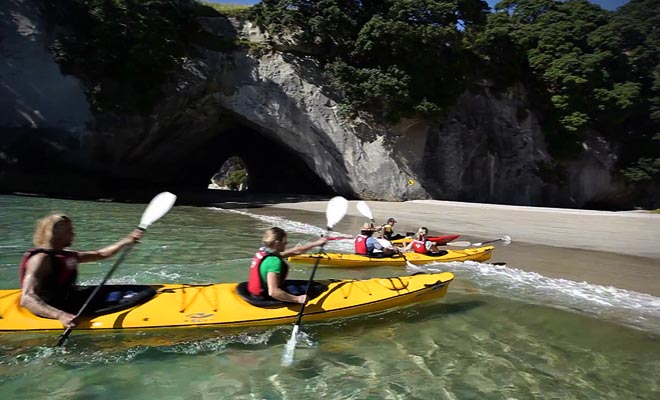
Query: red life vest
point(256, 286)
point(419, 246)
point(361, 245)
point(64, 267)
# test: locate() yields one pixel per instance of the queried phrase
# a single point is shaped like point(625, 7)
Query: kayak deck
point(478, 254)
point(219, 305)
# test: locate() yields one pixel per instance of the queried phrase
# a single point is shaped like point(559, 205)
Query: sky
point(606, 4)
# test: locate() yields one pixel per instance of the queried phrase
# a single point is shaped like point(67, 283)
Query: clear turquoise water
point(500, 333)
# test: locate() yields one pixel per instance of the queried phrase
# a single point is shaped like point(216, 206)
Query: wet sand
point(620, 249)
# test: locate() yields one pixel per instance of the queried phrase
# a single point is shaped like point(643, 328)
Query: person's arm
point(432, 246)
point(275, 292)
point(109, 251)
point(37, 269)
point(303, 247)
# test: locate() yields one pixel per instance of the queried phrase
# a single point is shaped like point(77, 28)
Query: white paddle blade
point(364, 209)
point(505, 239)
point(158, 207)
point(459, 243)
point(337, 207)
point(290, 348)
point(413, 266)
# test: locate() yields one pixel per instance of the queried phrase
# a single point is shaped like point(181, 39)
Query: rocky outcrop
point(268, 107)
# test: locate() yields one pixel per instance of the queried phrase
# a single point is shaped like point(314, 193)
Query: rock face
point(34, 93)
point(268, 108)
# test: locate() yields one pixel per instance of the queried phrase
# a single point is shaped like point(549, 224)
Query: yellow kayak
point(226, 304)
point(353, 260)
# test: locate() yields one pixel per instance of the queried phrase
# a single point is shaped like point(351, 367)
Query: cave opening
point(232, 175)
point(261, 164)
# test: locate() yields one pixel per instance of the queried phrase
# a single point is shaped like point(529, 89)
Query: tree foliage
point(390, 57)
point(588, 69)
point(598, 69)
point(125, 49)
point(236, 179)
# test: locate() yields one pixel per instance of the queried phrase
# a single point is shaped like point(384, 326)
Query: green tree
point(590, 69)
point(631, 103)
point(236, 179)
point(124, 49)
point(389, 57)
point(554, 37)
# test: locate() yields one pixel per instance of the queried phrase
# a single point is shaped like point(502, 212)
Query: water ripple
point(634, 309)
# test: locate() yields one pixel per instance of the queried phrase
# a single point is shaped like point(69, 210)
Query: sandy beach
point(620, 249)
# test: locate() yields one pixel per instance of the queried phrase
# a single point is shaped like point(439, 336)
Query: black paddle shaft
point(491, 241)
point(121, 258)
point(309, 284)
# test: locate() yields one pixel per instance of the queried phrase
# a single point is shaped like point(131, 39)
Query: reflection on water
point(500, 333)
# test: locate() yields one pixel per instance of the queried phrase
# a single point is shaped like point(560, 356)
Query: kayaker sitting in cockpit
point(48, 272)
point(387, 230)
point(367, 245)
point(268, 270)
point(422, 245)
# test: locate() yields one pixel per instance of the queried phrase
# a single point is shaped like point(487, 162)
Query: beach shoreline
point(608, 248)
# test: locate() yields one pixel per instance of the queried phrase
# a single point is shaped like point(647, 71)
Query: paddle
point(506, 241)
point(158, 207)
point(335, 211)
point(364, 209)
point(460, 243)
point(339, 237)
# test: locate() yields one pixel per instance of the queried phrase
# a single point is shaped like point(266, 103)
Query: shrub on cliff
point(124, 50)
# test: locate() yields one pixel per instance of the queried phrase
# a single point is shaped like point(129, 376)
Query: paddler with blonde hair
point(268, 270)
point(48, 272)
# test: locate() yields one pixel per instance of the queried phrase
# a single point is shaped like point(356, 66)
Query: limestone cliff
point(266, 103)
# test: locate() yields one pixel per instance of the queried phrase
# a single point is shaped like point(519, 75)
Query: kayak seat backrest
point(295, 287)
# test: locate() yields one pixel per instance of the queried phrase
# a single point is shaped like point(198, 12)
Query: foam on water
point(634, 309)
point(298, 227)
point(219, 344)
point(118, 348)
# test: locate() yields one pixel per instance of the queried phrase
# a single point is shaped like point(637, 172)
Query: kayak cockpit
point(113, 298)
point(295, 287)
